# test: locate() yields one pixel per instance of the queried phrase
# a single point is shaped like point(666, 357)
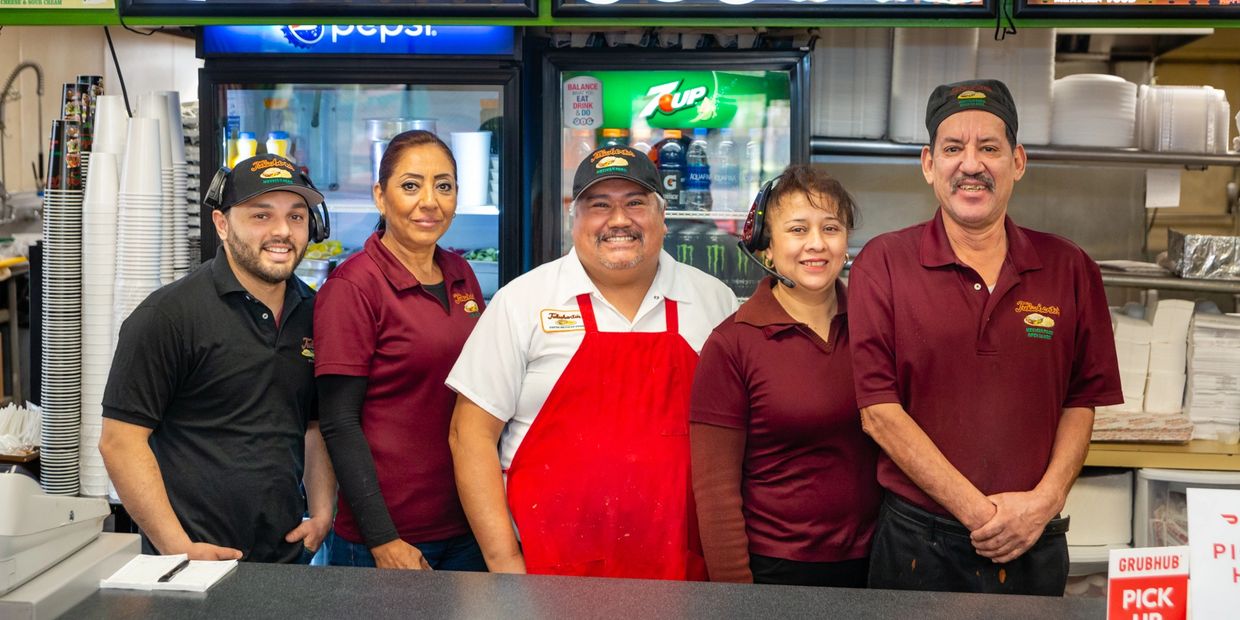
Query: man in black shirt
point(210, 411)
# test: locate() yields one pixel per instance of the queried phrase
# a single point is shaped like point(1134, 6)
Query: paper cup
point(141, 171)
point(111, 125)
point(472, 150)
point(176, 132)
point(155, 105)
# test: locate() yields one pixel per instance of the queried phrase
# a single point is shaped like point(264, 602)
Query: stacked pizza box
point(1213, 401)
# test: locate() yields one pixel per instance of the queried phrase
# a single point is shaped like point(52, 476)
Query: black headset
point(753, 235)
point(320, 219)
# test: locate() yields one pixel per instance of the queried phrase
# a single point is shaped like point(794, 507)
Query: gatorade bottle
point(615, 137)
point(671, 158)
point(726, 177)
point(697, 181)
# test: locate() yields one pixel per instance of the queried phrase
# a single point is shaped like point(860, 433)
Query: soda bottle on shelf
point(697, 181)
point(726, 177)
point(615, 137)
point(671, 163)
point(751, 180)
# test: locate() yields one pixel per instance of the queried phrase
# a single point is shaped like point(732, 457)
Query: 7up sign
point(667, 99)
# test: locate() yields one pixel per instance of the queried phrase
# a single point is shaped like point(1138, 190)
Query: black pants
point(917, 550)
point(845, 574)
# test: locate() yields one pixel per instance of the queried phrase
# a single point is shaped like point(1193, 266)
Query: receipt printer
point(38, 530)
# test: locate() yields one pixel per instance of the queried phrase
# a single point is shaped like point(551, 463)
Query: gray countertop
point(274, 591)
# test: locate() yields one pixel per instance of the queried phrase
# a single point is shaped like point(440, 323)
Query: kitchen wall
point(157, 62)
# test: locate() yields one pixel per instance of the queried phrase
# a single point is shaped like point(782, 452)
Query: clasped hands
point(1016, 523)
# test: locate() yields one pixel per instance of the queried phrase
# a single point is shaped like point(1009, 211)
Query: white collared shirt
point(532, 328)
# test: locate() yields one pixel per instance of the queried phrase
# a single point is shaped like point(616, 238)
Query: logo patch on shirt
point(307, 348)
point(467, 303)
point(1038, 324)
point(556, 320)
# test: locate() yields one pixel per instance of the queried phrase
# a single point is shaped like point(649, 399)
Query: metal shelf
point(365, 205)
point(1170, 283)
point(705, 215)
point(821, 146)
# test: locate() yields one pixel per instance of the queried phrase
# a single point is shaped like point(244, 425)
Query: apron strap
point(587, 312)
point(673, 317)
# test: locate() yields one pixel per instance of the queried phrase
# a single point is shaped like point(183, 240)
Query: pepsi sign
point(338, 39)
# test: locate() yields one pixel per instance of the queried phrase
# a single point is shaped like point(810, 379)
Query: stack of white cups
point(179, 241)
point(99, 210)
point(155, 105)
point(140, 220)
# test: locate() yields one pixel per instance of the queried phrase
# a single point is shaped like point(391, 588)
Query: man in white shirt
point(580, 370)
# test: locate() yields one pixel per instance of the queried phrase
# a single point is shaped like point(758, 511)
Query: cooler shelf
point(705, 215)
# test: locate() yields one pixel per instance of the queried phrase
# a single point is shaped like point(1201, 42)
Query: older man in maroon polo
point(980, 350)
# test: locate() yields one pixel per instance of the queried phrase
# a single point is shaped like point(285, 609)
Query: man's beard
point(628, 264)
point(251, 261)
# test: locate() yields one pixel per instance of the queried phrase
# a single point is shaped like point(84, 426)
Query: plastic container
point(671, 163)
point(697, 195)
point(278, 143)
point(1160, 514)
point(247, 147)
point(851, 82)
point(726, 176)
point(615, 137)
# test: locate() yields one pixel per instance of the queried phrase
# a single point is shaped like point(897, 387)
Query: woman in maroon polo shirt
point(783, 475)
point(388, 325)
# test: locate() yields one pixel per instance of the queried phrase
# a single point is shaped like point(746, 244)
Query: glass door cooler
point(331, 97)
point(716, 124)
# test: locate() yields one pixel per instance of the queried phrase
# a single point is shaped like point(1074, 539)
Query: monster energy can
point(690, 248)
point(719, 245)
point(745, 275)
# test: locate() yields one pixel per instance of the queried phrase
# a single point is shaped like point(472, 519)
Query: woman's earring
point(847, 257)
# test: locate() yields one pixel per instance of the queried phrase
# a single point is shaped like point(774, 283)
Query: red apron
point(600, 485)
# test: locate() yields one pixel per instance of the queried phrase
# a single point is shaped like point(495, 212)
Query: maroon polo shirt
point(373, 319)
point(808, 484)
point(985, 375)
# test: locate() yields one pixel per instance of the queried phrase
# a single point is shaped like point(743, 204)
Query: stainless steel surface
point(820, 146)
point(71, 581)
point(1167, 283)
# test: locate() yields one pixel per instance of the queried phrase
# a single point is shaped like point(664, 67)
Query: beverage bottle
point(615, 137)
point(671, 163)
point(697, 180)
point(277, 143)
point(247, 146)
point(751, 180)
point(726, 177)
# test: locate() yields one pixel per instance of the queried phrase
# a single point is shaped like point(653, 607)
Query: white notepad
point(143, 573)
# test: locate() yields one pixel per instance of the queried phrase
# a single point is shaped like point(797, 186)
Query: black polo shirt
point(228, 393)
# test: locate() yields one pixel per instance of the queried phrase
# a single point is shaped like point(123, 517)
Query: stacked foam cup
point(99, 211)
point(139, 224)
point(178, 241)
point(154, 105)
point(61, 386)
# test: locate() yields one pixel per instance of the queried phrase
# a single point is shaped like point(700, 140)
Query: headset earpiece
point(215, 191)
point(753, 234)
point(320, 219)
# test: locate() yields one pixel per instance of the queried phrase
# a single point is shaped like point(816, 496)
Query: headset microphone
point(784, 280)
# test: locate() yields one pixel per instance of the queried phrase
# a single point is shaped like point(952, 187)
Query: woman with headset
point(783, 476)
point(389, 323)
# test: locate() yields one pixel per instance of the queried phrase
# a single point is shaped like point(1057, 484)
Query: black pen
point(173, 573)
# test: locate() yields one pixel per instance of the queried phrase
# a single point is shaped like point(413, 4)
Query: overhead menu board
point(773, 8)
point(1170, 9)
point(330, 8)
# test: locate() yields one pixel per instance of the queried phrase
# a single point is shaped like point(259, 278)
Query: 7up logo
point(715, 255)
point(665, 99)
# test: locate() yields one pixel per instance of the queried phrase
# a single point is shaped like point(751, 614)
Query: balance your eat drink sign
point(1153, 583)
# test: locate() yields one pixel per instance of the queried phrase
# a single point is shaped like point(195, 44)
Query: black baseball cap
point(266, 173)
point(986, 95)
point(616, 162)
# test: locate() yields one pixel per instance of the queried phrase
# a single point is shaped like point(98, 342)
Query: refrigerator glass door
point(338, 133)
point(715, 137)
